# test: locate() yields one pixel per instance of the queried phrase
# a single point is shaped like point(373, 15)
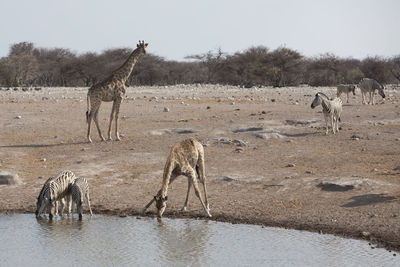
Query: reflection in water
point(184, 242)
point(130, 241)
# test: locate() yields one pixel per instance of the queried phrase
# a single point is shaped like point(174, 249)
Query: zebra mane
point(324, 95)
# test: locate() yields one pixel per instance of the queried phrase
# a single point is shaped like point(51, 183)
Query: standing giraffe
point(111, 89)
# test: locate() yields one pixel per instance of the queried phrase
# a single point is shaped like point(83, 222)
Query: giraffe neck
point(168, 168)
point(124, 71)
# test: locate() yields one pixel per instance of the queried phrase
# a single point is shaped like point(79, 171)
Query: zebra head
point(161, 204)
point(380, 91)
point(43, 201)
point(317, 101)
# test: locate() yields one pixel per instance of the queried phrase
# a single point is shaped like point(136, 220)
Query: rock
point(9, 178)
point(249, 129)
point(166, 109)
point(374, 170)
point(43, 160)
point(397, 168)
point(228, 179)
point(18, 117)
point(309, 172)
point(122, 215)
point(239, 150)
point(291, 165)
point(239, 142)
point(269, 135)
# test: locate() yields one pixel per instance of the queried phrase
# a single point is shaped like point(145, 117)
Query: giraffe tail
point(87, 109)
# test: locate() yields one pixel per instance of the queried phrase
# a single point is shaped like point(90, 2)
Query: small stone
point(397, 168)
point(374, 170)
point(43, 160)
point(208, 107)
point(79, 162)
point(166, 109)
point(40, 177)
point(273, 100)
point(122, 215)
point(309, 172)
point(291, 165)
point(232, 103)
point(18, 117)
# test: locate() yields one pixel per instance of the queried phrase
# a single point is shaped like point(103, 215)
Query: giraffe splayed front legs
point(186, 158)
point(111, 89)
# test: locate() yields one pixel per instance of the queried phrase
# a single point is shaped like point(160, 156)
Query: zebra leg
point(363, 97)
point(79, 208)
point(333, 123)
point(347, 97)
point(62, 205)
point(326, 125)
point(88, 202)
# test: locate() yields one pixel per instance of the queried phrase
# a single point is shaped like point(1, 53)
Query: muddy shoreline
point(268, 161)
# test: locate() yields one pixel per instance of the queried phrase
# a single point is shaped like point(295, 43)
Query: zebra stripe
point(79, 191)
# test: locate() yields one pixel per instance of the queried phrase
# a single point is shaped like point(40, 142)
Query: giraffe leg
point(192, 175)
point(202, 177)
point(89, 122)
point(117, 103)
point(96, 121)
point(187, 195)
point(111, 119)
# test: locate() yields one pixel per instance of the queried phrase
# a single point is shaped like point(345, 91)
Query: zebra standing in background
point(79, 190)
point(368, 85)
point(332, 108)
point(55, 189)
point(346, 88)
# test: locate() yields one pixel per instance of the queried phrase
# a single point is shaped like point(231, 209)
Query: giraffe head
point(161, 204)
point(142, 46)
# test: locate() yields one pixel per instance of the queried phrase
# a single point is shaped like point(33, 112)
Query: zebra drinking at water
point(332, 108)
point(55, 189)
point(345, 88)
point(368, 85)
point(79, 190)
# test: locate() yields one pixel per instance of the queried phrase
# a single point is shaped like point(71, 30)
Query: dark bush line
point(27, 65)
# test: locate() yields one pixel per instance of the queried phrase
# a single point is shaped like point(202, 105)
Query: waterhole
point(130, 241)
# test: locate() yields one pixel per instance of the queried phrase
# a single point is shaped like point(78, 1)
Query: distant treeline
point(27, 65)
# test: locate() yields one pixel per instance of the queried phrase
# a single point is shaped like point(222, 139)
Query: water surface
point(111, 240)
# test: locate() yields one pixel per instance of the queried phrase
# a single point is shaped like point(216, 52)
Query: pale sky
point(178, 28)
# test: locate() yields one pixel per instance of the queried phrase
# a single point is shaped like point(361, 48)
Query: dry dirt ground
point(268, 160)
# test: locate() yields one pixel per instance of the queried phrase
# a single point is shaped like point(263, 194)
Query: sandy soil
point(346, 184)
